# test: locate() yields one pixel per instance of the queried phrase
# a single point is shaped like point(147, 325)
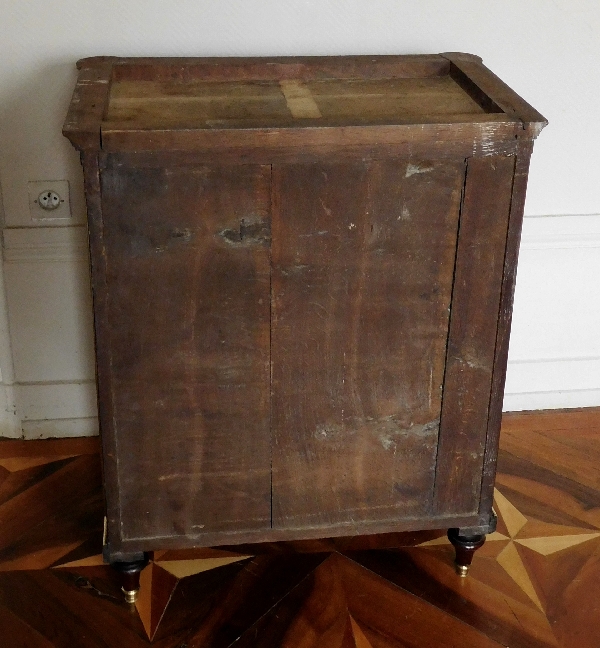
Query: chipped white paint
point(404, 214)
point(170, 477)
point(487, 142)
point(474, 362)
point(413, 169)
point(325, 208)
point(387, 431)
point(430, 390)
point(388, 442)
point(311, 234)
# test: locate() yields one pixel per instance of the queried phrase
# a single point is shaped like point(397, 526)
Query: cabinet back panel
point(362, 267)
point(187, 255)
point(473, 330)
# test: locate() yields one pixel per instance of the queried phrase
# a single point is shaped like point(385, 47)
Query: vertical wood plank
point(506, 306)
point(363, 256)
point(110, 455)
point(188, 279)
point(472, 337)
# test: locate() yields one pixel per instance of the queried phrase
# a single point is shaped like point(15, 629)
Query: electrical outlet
point(49, 200)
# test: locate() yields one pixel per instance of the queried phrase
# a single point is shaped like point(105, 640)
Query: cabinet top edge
point(232, 94)
point(94, 61)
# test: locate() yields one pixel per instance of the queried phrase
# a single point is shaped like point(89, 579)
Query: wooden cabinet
point(302, 272)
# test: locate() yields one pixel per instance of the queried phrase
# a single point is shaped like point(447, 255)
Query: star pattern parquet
point(534, 584)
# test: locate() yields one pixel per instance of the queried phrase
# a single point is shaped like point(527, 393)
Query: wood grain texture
point(88, 106)
point(423, 72)
point(483, 134)
point(104, 392)
point(472, 336)
point(509, 276)
point(51, 502)
point(274, 68)
point(187, 259)
point(343, 102)
point(363, 259)
point(472, 73)
point(341, 529)
point(390, 148)
point(532, 585)
point(23, 450)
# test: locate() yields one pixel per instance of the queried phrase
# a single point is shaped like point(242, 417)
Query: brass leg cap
point(130, 595)
point(462, 570)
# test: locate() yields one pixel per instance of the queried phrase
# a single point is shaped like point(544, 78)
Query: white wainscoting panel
point(10, 423)
point(41, 401)
point(51, 333)
point(554, 358)
point(49, 304)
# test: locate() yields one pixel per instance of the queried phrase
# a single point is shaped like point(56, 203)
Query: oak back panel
point(363, 262)
point(188, 307)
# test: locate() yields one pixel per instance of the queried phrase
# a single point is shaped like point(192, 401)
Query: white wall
point(547, 51)
point(554, 358)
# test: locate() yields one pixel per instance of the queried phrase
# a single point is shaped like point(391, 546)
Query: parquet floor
point(534, 584)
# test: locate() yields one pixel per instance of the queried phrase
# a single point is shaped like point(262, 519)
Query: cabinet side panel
point(506, 306)
point(472, 339)
point(363, 256)
point(187, 254)
point(101, 332)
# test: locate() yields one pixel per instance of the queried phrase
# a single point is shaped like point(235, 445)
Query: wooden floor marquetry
point(534, 584)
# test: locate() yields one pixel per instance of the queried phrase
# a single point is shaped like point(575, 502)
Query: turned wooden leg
point(130, 575)
point(465, 546)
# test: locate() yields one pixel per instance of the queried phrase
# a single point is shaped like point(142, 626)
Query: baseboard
point(52, 401)
point(552, 383)
point(48, 410)
point(9, 422)
point(551, 400)
point(60, 428)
